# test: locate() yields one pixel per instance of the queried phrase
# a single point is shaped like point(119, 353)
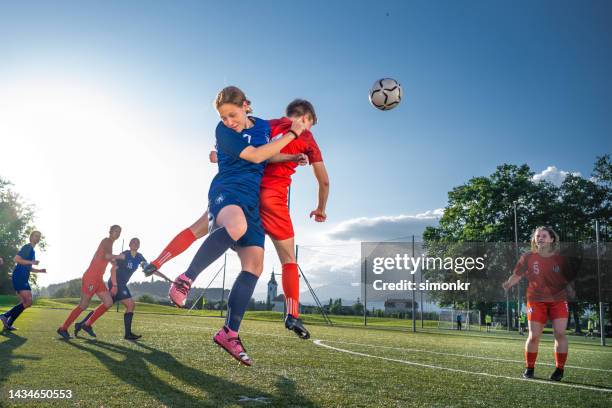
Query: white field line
point(456, 370)
point(468, 356)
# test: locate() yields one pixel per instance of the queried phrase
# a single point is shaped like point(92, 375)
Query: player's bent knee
point(236, 229)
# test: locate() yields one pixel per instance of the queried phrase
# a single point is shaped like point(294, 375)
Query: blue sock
point(239, 299)
point(14, 313)
point(86, 317)
point(211, 249)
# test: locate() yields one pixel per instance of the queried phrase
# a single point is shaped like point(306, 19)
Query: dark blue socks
point(14, 313)
point(239, 299)
point(211, 249)
point(127, 322)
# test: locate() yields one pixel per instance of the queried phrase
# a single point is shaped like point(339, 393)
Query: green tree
point(358, 308)
point(336, 307)
point(482, 210)
point(146, 299)
point(16, 223)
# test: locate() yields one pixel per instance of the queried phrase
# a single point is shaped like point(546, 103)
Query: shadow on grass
point(133, 370)
point(8, 359)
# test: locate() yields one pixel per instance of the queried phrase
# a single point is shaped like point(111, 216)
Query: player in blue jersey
point(24, 262)
point(243, 146)
point(121, 272)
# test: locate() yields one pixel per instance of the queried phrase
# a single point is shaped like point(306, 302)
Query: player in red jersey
point(548, 273)
point(92, 283)
point(274, 209)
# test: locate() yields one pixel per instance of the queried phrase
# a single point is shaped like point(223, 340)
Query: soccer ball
point(386, 94)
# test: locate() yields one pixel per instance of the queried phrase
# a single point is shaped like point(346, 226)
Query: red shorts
point(542, 311)
point(274, 214)
point(92, 284)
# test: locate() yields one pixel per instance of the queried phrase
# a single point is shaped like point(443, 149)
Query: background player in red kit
point(548, 273)
point(93, 284)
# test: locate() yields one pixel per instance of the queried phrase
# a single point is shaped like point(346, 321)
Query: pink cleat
point(232, 345)
point(179, 290)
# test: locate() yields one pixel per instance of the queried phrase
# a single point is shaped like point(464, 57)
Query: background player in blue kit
point(24, 260)
point(121, 272)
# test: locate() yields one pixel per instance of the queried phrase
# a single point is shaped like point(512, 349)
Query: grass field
point(177, 365)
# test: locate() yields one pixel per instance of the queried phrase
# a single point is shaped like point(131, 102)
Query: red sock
point(72, 317)
point(291, 288)
point(530, 359)
point(560, 359)
point(176, 247)
point(100, 310)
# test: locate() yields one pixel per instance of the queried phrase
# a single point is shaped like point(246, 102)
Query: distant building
point(399, 305)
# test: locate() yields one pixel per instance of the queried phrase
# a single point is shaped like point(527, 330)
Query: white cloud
point(553, 175)
point(385, 227)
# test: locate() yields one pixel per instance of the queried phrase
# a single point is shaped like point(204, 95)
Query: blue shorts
point(21, 281)
point(122, 291)
point(219, 198)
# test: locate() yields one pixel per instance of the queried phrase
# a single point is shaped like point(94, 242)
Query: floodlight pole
point(365, 291)
point(602, 335)
point(518, 287)
point(413, 293)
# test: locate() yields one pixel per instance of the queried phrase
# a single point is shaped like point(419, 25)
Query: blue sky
point(484, 83)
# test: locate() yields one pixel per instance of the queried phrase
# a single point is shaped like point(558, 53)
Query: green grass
point(177, 365)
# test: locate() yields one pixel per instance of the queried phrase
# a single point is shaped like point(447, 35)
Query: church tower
point(272, 287)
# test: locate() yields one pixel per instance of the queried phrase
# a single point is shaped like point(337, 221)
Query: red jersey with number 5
point(278, 175)
point(546, 276)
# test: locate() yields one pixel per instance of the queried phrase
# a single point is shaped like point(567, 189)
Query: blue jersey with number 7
point(235, 174)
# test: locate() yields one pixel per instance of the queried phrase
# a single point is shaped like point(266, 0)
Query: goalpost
point(470, 319)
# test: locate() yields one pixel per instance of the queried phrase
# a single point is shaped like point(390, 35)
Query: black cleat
point(11, 328)
point(88, 330)
point(528, 373)
point(557, 375)
point(132, 336)
point(63, 333)
point(296, 325)
point(149, 269)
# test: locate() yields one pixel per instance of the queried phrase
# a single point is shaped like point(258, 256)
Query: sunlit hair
point(233, 95)
point(136, 240)
point(35, 232)
point(114, 227)
point(301, 107)
point(553, 234)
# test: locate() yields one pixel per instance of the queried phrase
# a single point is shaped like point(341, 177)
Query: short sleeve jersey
point(546, 276)
point(99, 262)
point(27, 253)
point(278, 175)
point(127, 267)
point(240, 176)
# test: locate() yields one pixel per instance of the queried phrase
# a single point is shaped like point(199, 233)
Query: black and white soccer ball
point(386, 94)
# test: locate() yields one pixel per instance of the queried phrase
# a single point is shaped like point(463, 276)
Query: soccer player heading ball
point(274, 210)
point(233, 210)
point(549, 274)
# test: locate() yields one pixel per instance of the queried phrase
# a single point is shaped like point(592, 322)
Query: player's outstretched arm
point(264, 152)
point(36, 270)
point(19, 260)
point(299, 158)
point(512, 280)
point(320, 173)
